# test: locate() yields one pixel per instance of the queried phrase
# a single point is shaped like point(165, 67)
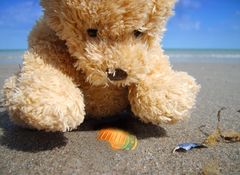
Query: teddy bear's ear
point(163, 8)
point(161, 11)
point(50, 4)
point(52, 13)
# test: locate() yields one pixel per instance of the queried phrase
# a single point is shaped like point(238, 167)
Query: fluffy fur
point(65, 71)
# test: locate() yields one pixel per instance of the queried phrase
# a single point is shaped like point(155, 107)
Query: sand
point(78, 152)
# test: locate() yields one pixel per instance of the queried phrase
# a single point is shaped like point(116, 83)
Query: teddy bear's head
point(112, 40)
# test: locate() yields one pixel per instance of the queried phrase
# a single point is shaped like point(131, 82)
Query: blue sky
point(197, 24)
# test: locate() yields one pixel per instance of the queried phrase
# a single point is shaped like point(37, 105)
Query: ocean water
point(176, 55)
point(204, 55)
point(11, 56)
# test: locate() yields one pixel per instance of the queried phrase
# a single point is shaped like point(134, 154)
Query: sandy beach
point(79, 152)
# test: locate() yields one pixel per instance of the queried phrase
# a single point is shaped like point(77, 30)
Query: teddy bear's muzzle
point(116, 74)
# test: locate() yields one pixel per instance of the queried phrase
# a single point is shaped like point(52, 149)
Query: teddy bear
point(96, 58)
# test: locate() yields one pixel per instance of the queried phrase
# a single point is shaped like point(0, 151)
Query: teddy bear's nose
point(116, 74)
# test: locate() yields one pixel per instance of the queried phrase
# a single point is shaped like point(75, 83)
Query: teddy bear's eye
point(92, 32)
point(137, 33)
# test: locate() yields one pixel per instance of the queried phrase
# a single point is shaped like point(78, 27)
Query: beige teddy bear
point(96, 58)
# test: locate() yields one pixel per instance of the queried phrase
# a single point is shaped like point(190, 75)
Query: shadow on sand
point(127, 122)
point(16, 138)
point(27, 140)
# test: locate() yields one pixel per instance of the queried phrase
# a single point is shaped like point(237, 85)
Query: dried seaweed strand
point(218, 135)
point(215, 137)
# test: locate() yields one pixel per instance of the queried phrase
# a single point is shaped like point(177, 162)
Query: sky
point(196, 24)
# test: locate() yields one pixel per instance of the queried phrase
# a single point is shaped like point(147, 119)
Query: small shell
point(118, 139)
point(187, 146)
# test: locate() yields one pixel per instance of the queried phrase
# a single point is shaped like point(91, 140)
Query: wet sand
point(78, 152)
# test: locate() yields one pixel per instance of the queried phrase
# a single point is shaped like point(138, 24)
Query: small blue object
point(184, 147)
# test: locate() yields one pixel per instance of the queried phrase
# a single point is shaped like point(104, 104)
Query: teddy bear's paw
point(8, 90)
point(164, 100)
point(51, 118)
point(60, 114)
point(38, 112)
point(44, 99)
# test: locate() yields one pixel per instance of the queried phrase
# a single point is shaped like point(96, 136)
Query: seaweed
point(231, 136)
point(218, 135)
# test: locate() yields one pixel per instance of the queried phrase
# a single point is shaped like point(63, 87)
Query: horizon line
point(170, 48)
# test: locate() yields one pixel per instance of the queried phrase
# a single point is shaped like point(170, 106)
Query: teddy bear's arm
point(43, 95)
point(163, 98)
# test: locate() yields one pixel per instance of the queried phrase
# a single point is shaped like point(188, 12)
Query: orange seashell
point(118, 139)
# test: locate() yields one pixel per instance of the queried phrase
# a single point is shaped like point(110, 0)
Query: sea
point(175, 56)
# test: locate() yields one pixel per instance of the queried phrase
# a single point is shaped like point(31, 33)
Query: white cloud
point(186, 23)
point(190, 25)
point(183, 20)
